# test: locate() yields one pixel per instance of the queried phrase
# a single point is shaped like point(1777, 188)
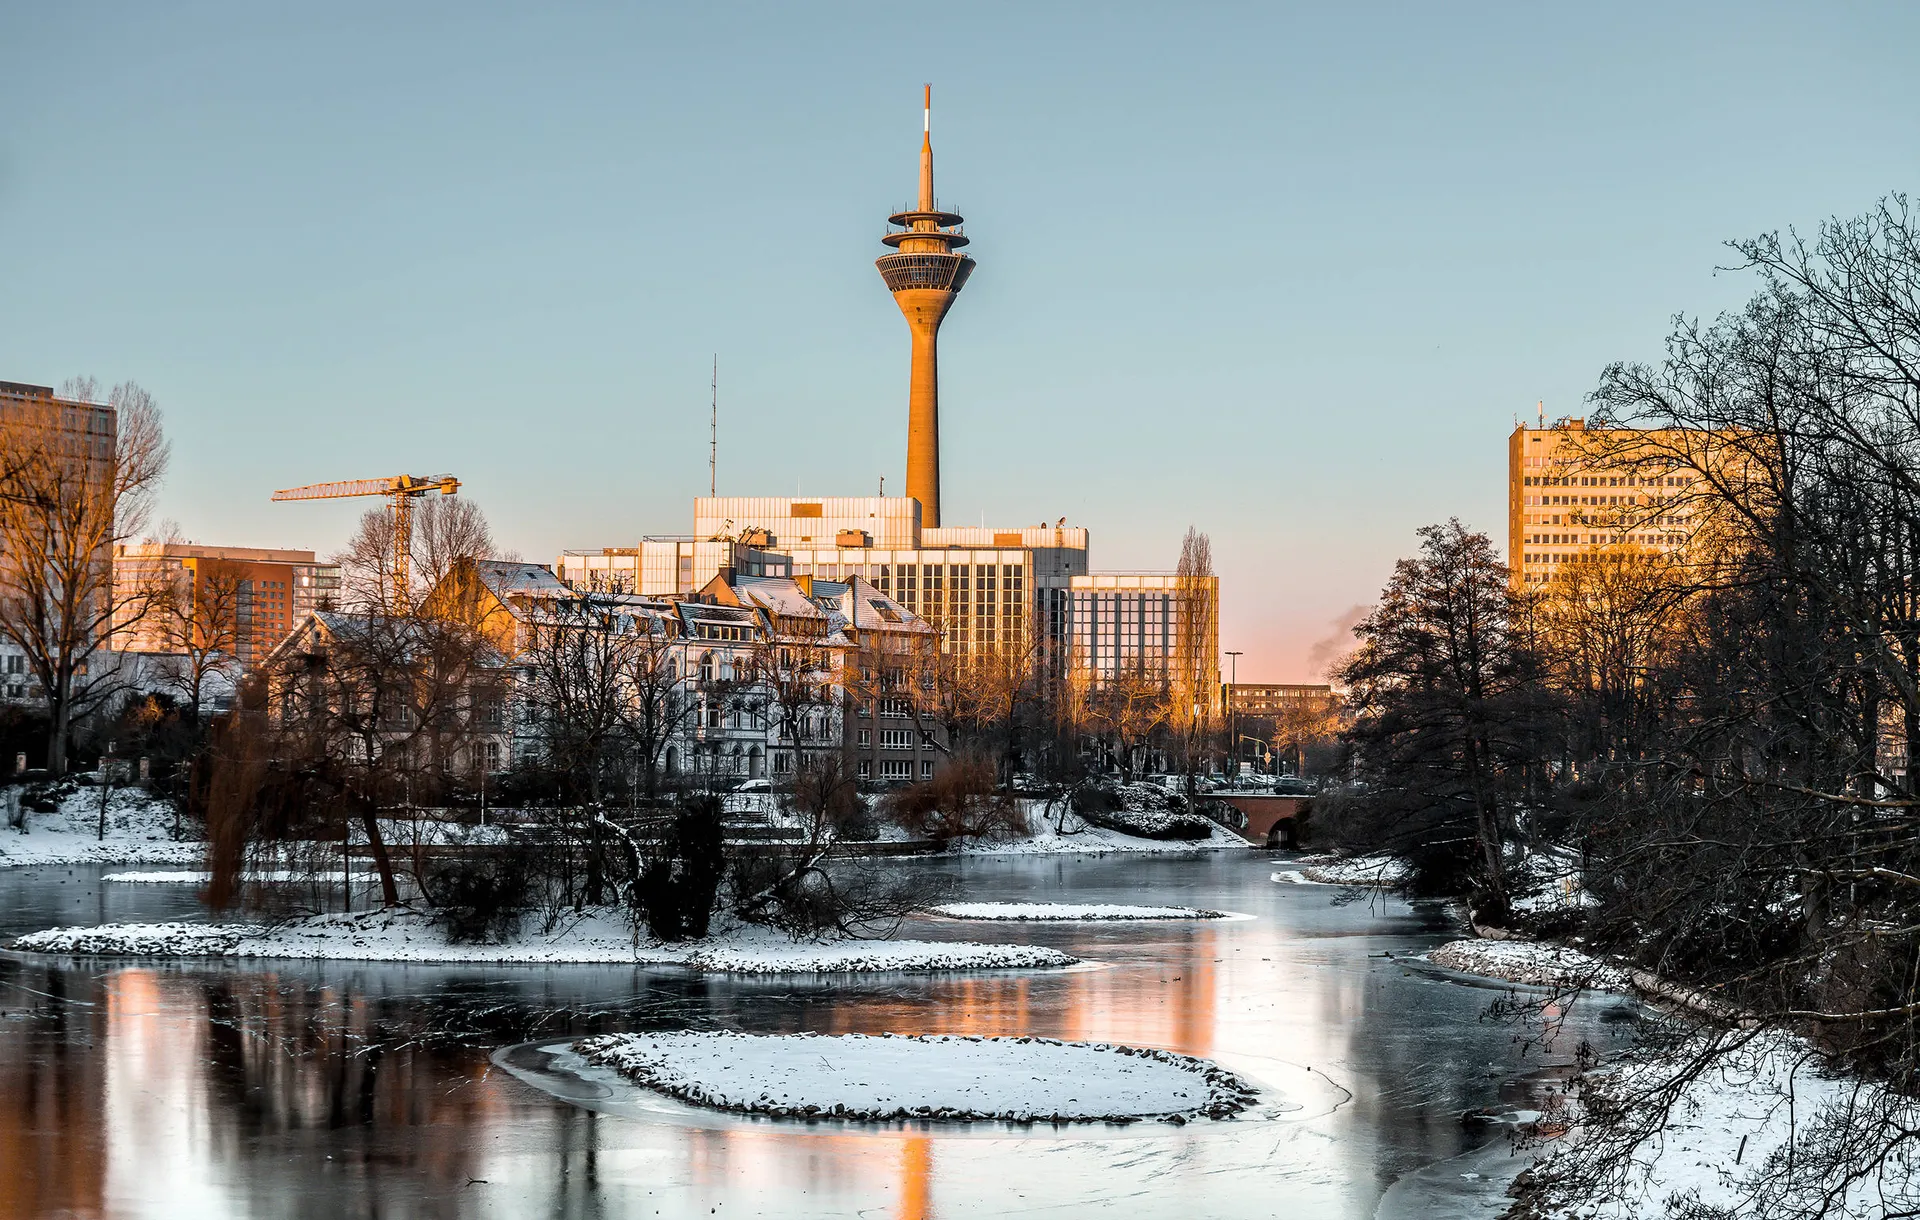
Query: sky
point(1284, 273)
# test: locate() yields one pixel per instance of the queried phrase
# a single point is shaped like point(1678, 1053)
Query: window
point(926, 768)
point(896, 739)
point(896, 768)
point(866, 739)
point(866, 768)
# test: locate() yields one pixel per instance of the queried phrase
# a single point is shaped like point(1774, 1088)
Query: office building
point(1134, 623)
point(1575, 493)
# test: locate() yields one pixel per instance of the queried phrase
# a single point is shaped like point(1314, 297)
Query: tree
point(444, 531)
point(1125, 709)
point(1444, 700)
point(379, 712)
point(196, 620)
point(69, 495)
point(1194, 671)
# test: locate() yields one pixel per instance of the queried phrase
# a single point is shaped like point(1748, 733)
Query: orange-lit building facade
point(1574, 492)
point(271, 590)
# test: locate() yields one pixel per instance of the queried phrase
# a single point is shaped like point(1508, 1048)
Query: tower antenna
point(713, 434)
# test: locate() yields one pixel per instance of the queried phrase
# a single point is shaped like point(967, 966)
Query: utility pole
point(1233, 719)
point(713, 434)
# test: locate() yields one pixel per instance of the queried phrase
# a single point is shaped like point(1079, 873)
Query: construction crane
point(401, 491)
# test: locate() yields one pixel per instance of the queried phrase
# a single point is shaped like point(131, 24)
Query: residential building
point(1574, 493)
point(981, 587)
point(762, 669)
point(363, 688)
point(259, 592)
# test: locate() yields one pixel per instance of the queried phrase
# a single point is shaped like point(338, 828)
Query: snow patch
point(1535, 963)
point(1760, 1103)
point(1384, 872)
point(888, 1076)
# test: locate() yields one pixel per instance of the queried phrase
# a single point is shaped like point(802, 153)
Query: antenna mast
point(713, 434)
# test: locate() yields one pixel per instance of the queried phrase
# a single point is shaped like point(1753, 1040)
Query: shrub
point(960, 802)
point(675, 891)
point(480, 896)
point(1145, 811)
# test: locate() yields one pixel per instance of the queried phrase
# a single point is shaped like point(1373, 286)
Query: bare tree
point(444, 531)
point(1126, 709)
point(69, 494)
point(196, 621)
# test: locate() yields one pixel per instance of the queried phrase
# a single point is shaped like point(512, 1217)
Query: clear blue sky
point(1284, 273)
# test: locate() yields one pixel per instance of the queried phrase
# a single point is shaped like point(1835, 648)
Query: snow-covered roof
point(779, 595)
point(866, 608)
point(506, 578)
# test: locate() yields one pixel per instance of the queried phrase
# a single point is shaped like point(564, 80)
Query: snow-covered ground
point(406, 936)
point(1533, 962)
point(1554, 875)
point(139, 831)
point(1765, 1101)
point(861, 1076)
point(1082, 839)
point(1067, 912)
point(1382, 871)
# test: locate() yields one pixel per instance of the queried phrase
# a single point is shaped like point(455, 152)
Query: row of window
point(896, 768)
point(895, 739)
point(1600, 480)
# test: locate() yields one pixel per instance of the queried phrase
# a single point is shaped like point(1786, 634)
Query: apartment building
point(1574, 493)
point(256, 594)
point(79, 437)
point(765, 672)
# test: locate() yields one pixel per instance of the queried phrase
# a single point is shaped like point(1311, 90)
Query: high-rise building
point(924, 275)
point(1574, 493)
point(1136, 623)
point(62, 442)
point(261, 592)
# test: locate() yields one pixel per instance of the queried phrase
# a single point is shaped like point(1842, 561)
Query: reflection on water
point(335, 1089)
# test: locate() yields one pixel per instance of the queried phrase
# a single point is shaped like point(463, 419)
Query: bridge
point(1271, 820)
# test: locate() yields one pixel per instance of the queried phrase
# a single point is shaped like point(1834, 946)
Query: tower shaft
point(924, 276)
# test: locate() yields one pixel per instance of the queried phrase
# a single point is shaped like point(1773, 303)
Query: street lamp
point(1233, 719)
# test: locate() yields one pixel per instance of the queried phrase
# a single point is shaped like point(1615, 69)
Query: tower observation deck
point(924, 274)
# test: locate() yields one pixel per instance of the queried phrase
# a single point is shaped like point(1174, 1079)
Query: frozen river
point(135, 1089)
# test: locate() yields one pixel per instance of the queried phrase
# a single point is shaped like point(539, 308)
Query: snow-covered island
point(1067, 912)
point(402, 935)
point(942, 1077)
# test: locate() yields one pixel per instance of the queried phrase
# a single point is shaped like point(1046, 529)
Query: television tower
point(924, 274)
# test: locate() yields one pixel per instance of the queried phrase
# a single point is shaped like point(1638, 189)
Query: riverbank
point(138, 829)
point(401, 935)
